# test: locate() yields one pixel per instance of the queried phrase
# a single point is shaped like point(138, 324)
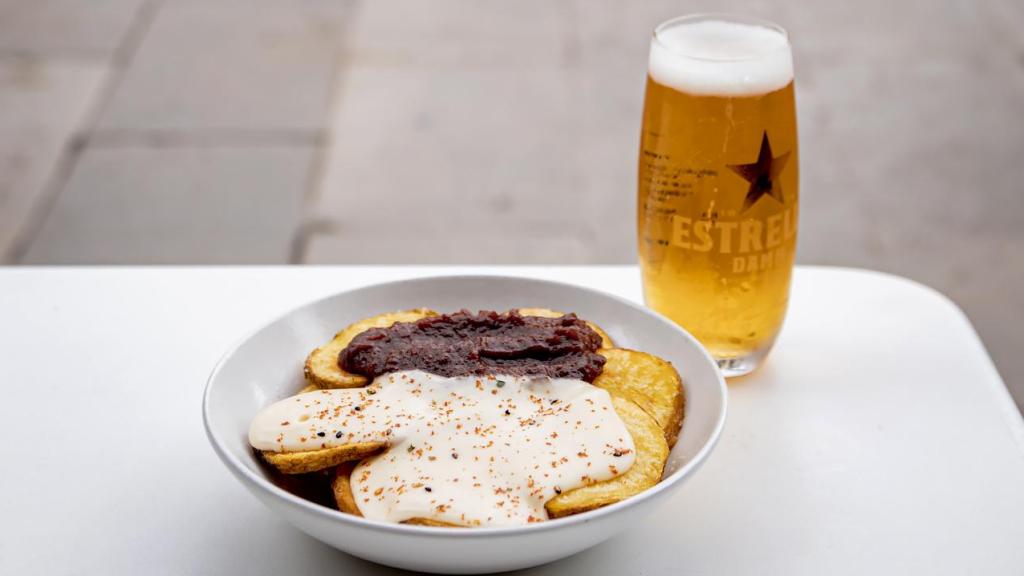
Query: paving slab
point(619, 31)
point(909, 29)
point(932, 146)
point(412, 241)
point(42, 105)
point(177, 206)
point(232, 66)
point(493, 32)
point(75, 29)
point(450, 143)
point(608, 101)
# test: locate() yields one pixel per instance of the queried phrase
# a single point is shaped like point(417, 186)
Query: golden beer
point(718, 183)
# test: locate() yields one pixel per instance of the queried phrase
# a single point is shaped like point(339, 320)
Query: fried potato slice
point(646, 471)
point(341, 485)
point(322, 368)
point(430, 522)
point(308, 388)
point(606, 340)
point(313, 460)
point(650, 382)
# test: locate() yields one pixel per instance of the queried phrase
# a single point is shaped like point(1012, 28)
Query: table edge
point(1011, 415)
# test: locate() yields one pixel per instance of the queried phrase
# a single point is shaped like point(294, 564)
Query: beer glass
point(718, 183)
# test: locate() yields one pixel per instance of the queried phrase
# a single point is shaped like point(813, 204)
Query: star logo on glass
point(763, 175)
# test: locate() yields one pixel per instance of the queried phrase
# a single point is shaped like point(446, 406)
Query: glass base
point(734, 366)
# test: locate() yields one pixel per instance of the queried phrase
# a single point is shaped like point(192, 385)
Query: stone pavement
point(497, 131)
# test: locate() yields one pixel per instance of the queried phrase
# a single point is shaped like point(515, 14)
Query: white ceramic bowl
point(266, 366)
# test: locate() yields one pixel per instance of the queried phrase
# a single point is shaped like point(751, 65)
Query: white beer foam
point(715, 57)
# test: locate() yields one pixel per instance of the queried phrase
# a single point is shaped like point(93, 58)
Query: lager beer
point(718, 183)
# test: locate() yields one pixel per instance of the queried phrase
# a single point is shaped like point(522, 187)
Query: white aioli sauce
point(473, 451)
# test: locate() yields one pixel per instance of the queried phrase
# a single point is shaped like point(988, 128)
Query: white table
point(877, 439)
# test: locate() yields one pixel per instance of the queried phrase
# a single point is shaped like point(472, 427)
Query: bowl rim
point(258, 481)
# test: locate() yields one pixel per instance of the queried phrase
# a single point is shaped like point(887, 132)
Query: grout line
point(66, 57)
point(129, 46)
point(309, 224)
point(122, 58)
point(41, 206)
point(75, 144)
point(204, 138)
point(304, 234)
